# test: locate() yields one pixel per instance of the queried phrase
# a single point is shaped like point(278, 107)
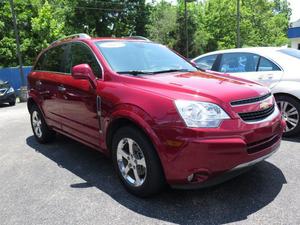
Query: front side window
point(207, 62)
point(238, 62)
point(81, 54)
point(143, 57)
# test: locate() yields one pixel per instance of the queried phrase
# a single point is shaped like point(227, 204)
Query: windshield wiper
point(134, 72)
point(171, 70)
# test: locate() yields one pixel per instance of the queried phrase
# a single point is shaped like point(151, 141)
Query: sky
point(294, 4)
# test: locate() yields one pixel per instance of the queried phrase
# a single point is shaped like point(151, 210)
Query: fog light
point(190, 177)
point(199, 176)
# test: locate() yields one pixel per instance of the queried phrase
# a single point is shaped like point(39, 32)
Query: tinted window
point(141, 56)
point(206, 63)
point(39, 63)
point(53, 59)
point(267, 65)
point(81, 54)
point(291, 52)
point(238, 62)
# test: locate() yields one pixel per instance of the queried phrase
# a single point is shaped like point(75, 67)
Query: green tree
point(162, 25)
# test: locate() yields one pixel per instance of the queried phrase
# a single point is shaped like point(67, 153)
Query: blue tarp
point(294, 32)
point(12, 75)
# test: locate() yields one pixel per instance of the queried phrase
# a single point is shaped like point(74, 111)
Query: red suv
point(160, 119)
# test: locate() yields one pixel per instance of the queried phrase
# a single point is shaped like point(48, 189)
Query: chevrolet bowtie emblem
point(264, 105)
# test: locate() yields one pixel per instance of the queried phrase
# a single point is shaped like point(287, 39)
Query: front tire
point(136, 162)
point(42, 133)
point(290, 109)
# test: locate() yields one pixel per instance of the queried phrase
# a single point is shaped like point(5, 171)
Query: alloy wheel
point(131, 162)
point(37, 124)
point(290, 114)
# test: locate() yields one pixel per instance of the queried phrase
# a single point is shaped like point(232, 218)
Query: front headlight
point(200, 114)
point(10, 90)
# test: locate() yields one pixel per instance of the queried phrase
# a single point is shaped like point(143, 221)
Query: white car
point(277, 68)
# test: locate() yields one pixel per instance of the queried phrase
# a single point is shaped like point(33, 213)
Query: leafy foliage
point(211, 23)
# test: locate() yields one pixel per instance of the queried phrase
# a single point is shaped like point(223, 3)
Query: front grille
point(250, 100)
point(257, 115)
point(263, 144)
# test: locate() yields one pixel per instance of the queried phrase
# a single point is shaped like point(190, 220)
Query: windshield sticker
point(112, 45)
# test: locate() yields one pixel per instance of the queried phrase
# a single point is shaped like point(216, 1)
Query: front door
point(79, 108)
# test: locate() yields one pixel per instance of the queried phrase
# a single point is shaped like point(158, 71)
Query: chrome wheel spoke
point(292, 111)
point(137, 177)
point(141, 162)
point(126, 170)
point(130, 146)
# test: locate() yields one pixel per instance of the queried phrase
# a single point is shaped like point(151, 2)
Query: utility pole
point(238, 29)
point(186, 27)
point(186, 30)
point(23, 88)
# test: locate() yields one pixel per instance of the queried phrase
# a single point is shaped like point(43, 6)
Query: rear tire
point(290, 109)
point(12, 103)
point(43, 134)
point(136, 162)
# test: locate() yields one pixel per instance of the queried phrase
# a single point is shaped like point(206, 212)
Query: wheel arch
point(134, 120)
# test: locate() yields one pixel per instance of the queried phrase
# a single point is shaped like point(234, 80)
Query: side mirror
point(84, 72)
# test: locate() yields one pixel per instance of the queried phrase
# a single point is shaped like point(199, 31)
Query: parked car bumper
point(8, 98)
point(206, 157)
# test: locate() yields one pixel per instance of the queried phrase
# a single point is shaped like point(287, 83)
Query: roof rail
point(80, 35)
point(138, 38)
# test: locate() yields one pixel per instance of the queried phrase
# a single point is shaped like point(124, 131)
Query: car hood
point(202, 84)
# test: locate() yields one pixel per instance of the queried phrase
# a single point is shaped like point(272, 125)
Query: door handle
point(38, 83)
point(61, 88)
point(270, 76)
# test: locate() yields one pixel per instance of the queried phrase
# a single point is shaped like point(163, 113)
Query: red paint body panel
point(148, 101)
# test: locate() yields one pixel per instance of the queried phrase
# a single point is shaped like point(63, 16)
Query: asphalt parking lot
point(67, 183)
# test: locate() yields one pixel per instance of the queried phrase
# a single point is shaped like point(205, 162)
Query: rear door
point(250, 66)
point(79, 98)
point(46, 75)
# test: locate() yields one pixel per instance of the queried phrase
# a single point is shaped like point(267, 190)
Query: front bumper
point(203, 157)
point(227, 175)
point(11, 97)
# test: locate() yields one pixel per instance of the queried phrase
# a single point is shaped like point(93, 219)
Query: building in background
point(294, 34)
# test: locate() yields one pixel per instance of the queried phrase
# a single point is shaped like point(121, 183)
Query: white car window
point(238, 62)
point(267, 65)
point(207, 62)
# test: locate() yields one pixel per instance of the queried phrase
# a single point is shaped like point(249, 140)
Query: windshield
point(291, 52)
point(135, 57)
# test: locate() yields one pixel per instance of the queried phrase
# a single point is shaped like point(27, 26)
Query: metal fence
point(12, 75)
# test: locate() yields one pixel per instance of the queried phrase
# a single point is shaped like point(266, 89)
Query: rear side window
point(207, 62)
point(239, 62)
point(52, 60)
point(267, 65)
point(81, 54)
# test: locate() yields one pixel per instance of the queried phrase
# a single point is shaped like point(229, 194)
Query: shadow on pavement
point(3, 105)
point(232, 201)
point(293, 139)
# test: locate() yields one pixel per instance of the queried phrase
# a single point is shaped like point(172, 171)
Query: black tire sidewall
point(154, 181)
